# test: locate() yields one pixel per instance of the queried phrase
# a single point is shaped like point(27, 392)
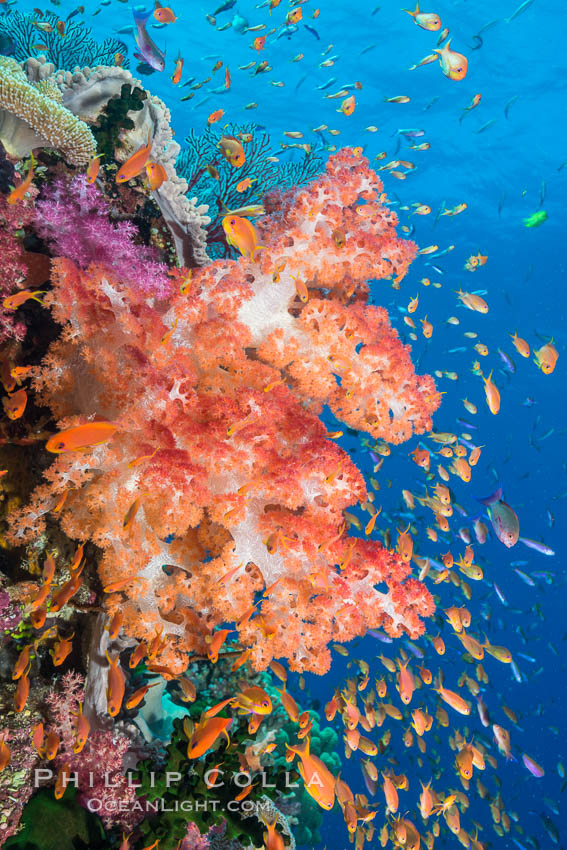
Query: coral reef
point(74, 219)
point(31, 117)
point(219, 451)
point(75, 48)
point(213, 807)
point(261, 168)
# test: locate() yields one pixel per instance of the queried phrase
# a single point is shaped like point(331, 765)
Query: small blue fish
point(149, 52)
point(224, 7)
point(507, 361)
point(326, 85)
point(379, 636)
point(500, 595)
point(525, 578)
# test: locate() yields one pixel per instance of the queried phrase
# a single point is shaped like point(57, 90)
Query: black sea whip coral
point(74, 218)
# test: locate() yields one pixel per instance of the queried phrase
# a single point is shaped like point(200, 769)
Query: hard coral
point(30, 118)
point(218, 443)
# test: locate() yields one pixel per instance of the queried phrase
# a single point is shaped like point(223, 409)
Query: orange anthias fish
point(178, 69)
point(81, 437)
point(135, 164)
point(272, 839)
point(22, 690)
point(82, 731)
point(454, 700)
point(12, 302)
point(258, 43)
point(426, 20)
point(156, 174)
point(427, 328)
point(289, 704)
point(294, 16)
point(546, 357)
point(318, 779)
point(61, 649)
point(217, 640)
point(406, 683)
point(116, 686)
point(472, 301)
point(245, 184)
point(253, 700)
point(93, 169)
point(17, 194)
point(206, 733)
point(241, 233)
point(454, 65)
point(164, 14)
point(232, 150)
point(348, 105)
point(492, 394)
point(215, 116)
point(15, 404)
point(5, 754)
point(521, 346)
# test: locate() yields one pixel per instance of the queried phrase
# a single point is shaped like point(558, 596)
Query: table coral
point(216, 397)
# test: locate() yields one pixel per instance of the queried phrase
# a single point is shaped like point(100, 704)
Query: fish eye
point(232, 221)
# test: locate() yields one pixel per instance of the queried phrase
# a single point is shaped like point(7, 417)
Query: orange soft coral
point(219, 446)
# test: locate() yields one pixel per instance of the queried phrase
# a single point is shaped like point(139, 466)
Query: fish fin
point(493, 498)
point(413, 14)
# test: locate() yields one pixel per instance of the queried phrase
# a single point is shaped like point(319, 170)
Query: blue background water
point(504, 173)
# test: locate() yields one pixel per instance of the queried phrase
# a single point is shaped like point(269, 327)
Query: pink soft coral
point(74, 218)
point(99, 767)
point(217, 402)
point(13, 217)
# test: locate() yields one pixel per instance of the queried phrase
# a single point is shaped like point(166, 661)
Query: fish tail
point(413, 14)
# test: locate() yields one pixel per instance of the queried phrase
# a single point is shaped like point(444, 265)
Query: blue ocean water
point(504, 160)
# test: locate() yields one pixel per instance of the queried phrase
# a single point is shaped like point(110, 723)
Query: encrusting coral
point(220, 480)
point(30, 117)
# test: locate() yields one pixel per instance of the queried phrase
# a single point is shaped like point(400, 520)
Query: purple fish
point(483, 712)
point(535, 544)
point(525, 578)
point(379, 636)
point(534, 768)
point(149, 52)
point(507, 361)
point(500, 595)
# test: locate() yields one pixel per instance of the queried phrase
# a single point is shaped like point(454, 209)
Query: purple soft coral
point(74, 218)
